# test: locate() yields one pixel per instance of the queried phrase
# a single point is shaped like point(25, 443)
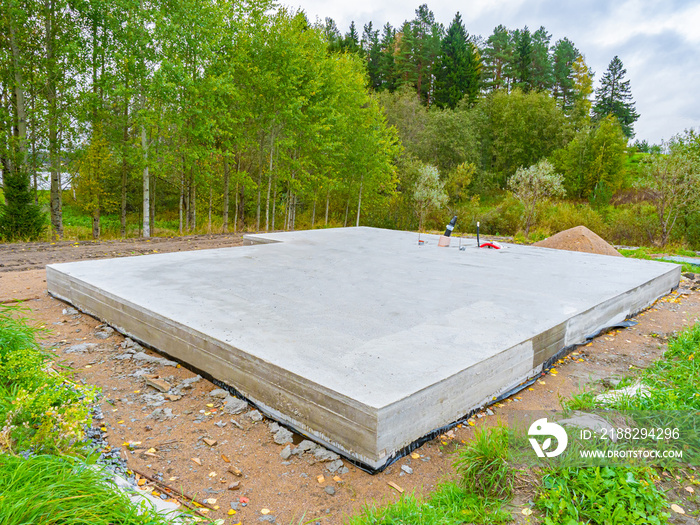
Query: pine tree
point(523, 59)
point(542, 71)
point(614, 97)
point(498, 59)
point(565, 54)
point(458, 69)
point(386, 73)
point(20, 218)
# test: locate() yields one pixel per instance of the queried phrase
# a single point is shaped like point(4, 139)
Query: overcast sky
point(658, 42)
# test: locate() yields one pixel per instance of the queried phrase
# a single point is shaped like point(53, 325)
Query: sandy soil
point(294, 489)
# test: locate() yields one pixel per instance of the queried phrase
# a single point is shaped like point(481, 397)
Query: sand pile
point(578, 239)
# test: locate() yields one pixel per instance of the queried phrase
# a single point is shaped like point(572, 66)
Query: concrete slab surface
point(361, 338)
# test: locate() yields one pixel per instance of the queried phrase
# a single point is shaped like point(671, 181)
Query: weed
point(482, 465)
point(601, 496)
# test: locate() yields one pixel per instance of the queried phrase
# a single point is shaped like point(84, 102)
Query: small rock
point(407, 469)
point(123, 357)
point(286, 453)
point(269, 519)
point(220, 424)
point(329, 490)
point(610, 382)
point(335, 465)
point(158, 384)
point(235, 485)
point(255, 415)
point(321, 454)
point(236, 472)
point(687, 275)
point(343, 470)
point(153, 400)
point(305, 446)
point(234, 406)
point(210, 442)
point(219, 393)
point(172, 397)
point(104, 332)
point(234, 505)
point(489, 412)
point(80, 348)
point(274, 427)
point(161, 414)
point(283, 436)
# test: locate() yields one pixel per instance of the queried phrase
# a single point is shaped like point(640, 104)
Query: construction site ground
point(192, 444)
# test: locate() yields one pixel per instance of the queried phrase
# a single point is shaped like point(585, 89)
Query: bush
point(563, 215)
point(632, 225)
point(504, 219)
point(40, 409)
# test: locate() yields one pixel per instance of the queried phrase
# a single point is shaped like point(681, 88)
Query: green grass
point(485, 483)
point(448, 505)
point(40, 410)
point(483, 467)
point(601, 496)
point(645, 253)
point(61, 490)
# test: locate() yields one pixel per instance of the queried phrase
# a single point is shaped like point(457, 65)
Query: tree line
point(251, 113)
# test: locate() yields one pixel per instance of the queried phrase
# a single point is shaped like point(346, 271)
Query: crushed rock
point(161, 414)
point(283, 436)
point(334, 466)
point(322, 454)
point(254, 415)
point(185, 384)
point(219, 393)
point(153, 400)
point(81, 348)
point(234, 405)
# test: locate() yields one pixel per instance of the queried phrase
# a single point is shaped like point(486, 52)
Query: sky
point(658, 42)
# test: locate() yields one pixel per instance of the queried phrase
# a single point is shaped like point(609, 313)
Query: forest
point(126, 118)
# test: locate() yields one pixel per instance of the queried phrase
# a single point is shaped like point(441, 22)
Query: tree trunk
point(269, 184)
point(274, 208)
point(56, 204)
point(347, 209)
point(96, 222)
point(146, 177)
point(260, 174)
point(359, 203)
point(328, 201)
point(211, 197)
point(226, 190)
point(182, 195)
point(152, 216)
point(125, 165)
point(19, 100)
point(313, 213)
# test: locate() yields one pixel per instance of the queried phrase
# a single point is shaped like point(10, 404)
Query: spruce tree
point(458, 68)
point(20, 218)
point(614, 97)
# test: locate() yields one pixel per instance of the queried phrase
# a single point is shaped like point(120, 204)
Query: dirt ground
point(168, 440)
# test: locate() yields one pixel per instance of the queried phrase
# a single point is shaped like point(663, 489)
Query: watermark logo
point(541, 428)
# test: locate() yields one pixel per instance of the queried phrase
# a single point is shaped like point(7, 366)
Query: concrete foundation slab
point(361, 338)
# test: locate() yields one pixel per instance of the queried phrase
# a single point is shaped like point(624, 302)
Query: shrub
point(482, 465)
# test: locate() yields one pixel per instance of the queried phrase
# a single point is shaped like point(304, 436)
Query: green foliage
point(562, 215)
point(20, 218)
point(483, 464)
point(534, 185)
point(672, 181)
point(448, 505)
point(614, 98)
point(458, 70)
point(601, 496)
point(504, 219)
point(595, 158)
point(40, 410)
point(429, 192)
point(61, 490)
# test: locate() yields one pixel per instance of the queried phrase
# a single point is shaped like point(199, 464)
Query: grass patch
point(41, 410)
point(62, 490)
point(485, 483)
point(448, 505)
point(646, 254)
point(601, 496)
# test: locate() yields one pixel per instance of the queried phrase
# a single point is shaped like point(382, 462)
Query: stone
point(161, 414)
point(234, 486)
point(334, 466)
point(273, 426)
point(234, 406)
point(254, 415)
point(593, 422)
point(322, 454)
point(70, 311)
point(283, 436)
point(305, 446)
point(105, 332)
point(489, 412)
point(637, 389)
point(185, 384)
point(286, 453)
point(153, 400)
point(81, 348)
point(407, 469)
point(219, 393)
point(343, 470)
point(143, 356)
point(158, 384)
point(329, 490)
point(123, 357)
